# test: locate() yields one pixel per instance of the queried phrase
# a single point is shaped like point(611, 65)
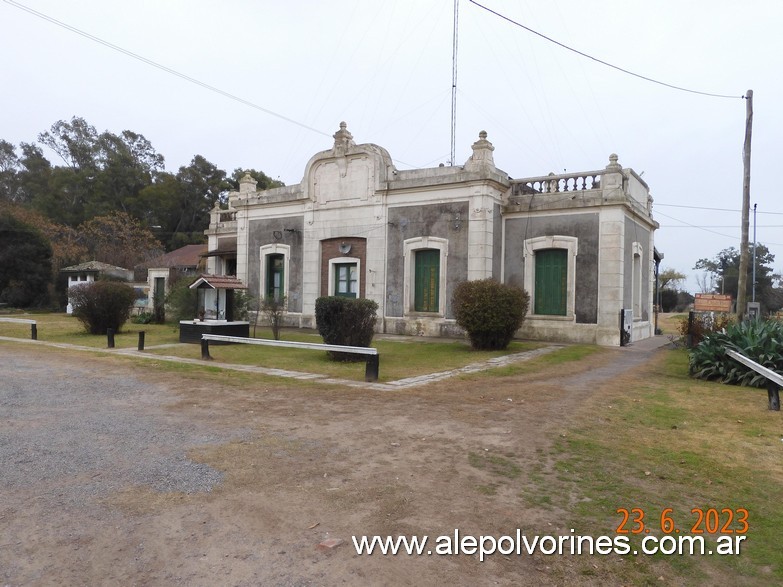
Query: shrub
point(761, 341)
point(490, 312)
point(181, 300)
point(102, 305)
point(144, 318)
point(669, 299)
point(346, 321)
point(704, 324)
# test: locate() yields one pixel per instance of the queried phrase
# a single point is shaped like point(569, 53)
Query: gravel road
point(69, 423)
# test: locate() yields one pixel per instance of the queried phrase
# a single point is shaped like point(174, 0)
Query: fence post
point(773, 392)
point(371, 370)
point(34, 331)
point(110, 337)
point(141, 340)
point(205, 350)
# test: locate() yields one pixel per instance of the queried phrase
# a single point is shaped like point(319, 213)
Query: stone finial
point(247, 184)
point(342, 138)
point(482, 154)
point(613, 164)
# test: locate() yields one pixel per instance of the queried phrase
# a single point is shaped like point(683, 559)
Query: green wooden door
point(275, 267)
point(551, 281)
point(427, 281)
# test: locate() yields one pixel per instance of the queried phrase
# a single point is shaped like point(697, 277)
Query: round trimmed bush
point(102, 304)
point(490, 312)
point(346, 321)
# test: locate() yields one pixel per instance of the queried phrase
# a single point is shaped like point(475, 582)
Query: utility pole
point(454, 84)
point(742, 295)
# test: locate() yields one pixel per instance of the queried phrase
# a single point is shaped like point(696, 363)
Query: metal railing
point(373, 358)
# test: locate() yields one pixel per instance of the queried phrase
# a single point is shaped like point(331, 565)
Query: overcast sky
point(386, 68)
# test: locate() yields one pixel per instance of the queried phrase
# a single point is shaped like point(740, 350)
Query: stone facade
point(406, 238)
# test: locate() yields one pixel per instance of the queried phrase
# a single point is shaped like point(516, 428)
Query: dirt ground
point(300, 465)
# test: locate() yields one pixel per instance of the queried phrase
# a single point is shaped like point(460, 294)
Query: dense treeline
point(107, 197)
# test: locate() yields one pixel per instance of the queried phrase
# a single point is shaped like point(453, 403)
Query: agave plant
point(761, 341)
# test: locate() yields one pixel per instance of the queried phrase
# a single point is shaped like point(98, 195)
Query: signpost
point(712, 303)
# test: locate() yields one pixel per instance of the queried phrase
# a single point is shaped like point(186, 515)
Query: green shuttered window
point(345, 280)
point(427, 280)
point(551, 281)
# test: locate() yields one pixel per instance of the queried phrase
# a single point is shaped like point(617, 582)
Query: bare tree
point(274, 308)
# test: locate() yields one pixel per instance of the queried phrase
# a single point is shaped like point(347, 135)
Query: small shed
point(216, 309)
point(89, 272)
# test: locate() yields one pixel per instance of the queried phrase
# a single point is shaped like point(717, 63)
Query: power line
point(559, 44)
point(163, 67)
point(711, 208)
point(699, 227)
point(705, 229)
point(174, 72)
point(718, 226)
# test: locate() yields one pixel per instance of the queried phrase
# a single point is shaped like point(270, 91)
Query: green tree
point(33, 176)
point(9, 172)
point(127, 163)
point(119, 239)
point(25, 263)
point(202, 184)
point(264, 181)
point(724, 269)
point(181, 301)
point(670, 279)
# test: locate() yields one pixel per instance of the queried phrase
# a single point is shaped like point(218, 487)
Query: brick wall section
point(330, 249)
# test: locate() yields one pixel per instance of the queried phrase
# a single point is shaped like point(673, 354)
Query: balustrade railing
point(553, 184)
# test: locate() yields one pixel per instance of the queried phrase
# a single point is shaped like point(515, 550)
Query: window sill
point(568, 318)
point(423, 315)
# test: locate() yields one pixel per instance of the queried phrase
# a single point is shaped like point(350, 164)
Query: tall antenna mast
point(454, 84)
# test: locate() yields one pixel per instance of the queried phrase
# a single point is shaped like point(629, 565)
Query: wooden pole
point(742, 296)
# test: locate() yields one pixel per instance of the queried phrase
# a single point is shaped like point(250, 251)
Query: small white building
point(89, 272)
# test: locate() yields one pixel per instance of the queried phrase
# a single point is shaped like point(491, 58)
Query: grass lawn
point(67, 329)
point(402, 357)
point(668, 441)
point(399, 358)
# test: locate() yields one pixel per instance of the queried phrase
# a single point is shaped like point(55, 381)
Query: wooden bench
point(33, 325)
point(774, 380)
point(373, 358)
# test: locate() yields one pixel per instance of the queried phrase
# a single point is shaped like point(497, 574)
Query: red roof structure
point(184, 257)
point(217, 282)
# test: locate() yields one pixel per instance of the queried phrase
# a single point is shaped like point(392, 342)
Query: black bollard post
point(773, 392)
point(141, 340)
point(205, 350)
point(110, 337)
point(371, 371)
point(34, 331)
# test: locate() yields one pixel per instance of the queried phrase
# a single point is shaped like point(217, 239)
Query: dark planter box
point(191, 331)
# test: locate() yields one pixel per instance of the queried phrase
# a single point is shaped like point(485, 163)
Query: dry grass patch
point(657, 439)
